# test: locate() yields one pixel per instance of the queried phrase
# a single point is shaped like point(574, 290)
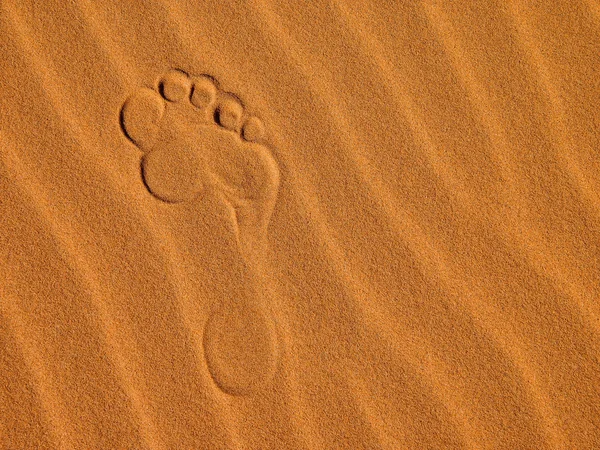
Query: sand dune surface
point(299, 225)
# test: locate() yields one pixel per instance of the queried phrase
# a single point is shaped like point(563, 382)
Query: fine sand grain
point(299, 225)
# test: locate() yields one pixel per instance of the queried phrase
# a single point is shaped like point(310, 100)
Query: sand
point(299, 225)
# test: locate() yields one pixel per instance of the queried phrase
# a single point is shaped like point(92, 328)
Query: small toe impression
point(140, 117)
point(204, 92)
point(240, 346)
point(254, 130)
point(175, 85)
point(172, 175)
point(229, 113)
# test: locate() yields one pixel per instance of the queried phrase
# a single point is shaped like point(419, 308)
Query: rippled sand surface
point(299, 225)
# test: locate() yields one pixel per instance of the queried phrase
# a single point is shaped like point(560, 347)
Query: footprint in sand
point(198, 140)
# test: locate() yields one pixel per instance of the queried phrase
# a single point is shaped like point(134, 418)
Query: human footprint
point(195, 139)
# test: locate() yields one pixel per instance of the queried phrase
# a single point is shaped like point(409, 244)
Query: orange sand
point(299, 225)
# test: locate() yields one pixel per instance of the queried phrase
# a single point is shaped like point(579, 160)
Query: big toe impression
point(140, 117)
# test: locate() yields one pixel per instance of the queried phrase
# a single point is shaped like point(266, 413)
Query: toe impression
point(175, 85)
point(204, 92)
point(140, 117)
point(229, 113)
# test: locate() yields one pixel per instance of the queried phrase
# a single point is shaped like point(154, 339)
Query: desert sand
point(299, 225)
